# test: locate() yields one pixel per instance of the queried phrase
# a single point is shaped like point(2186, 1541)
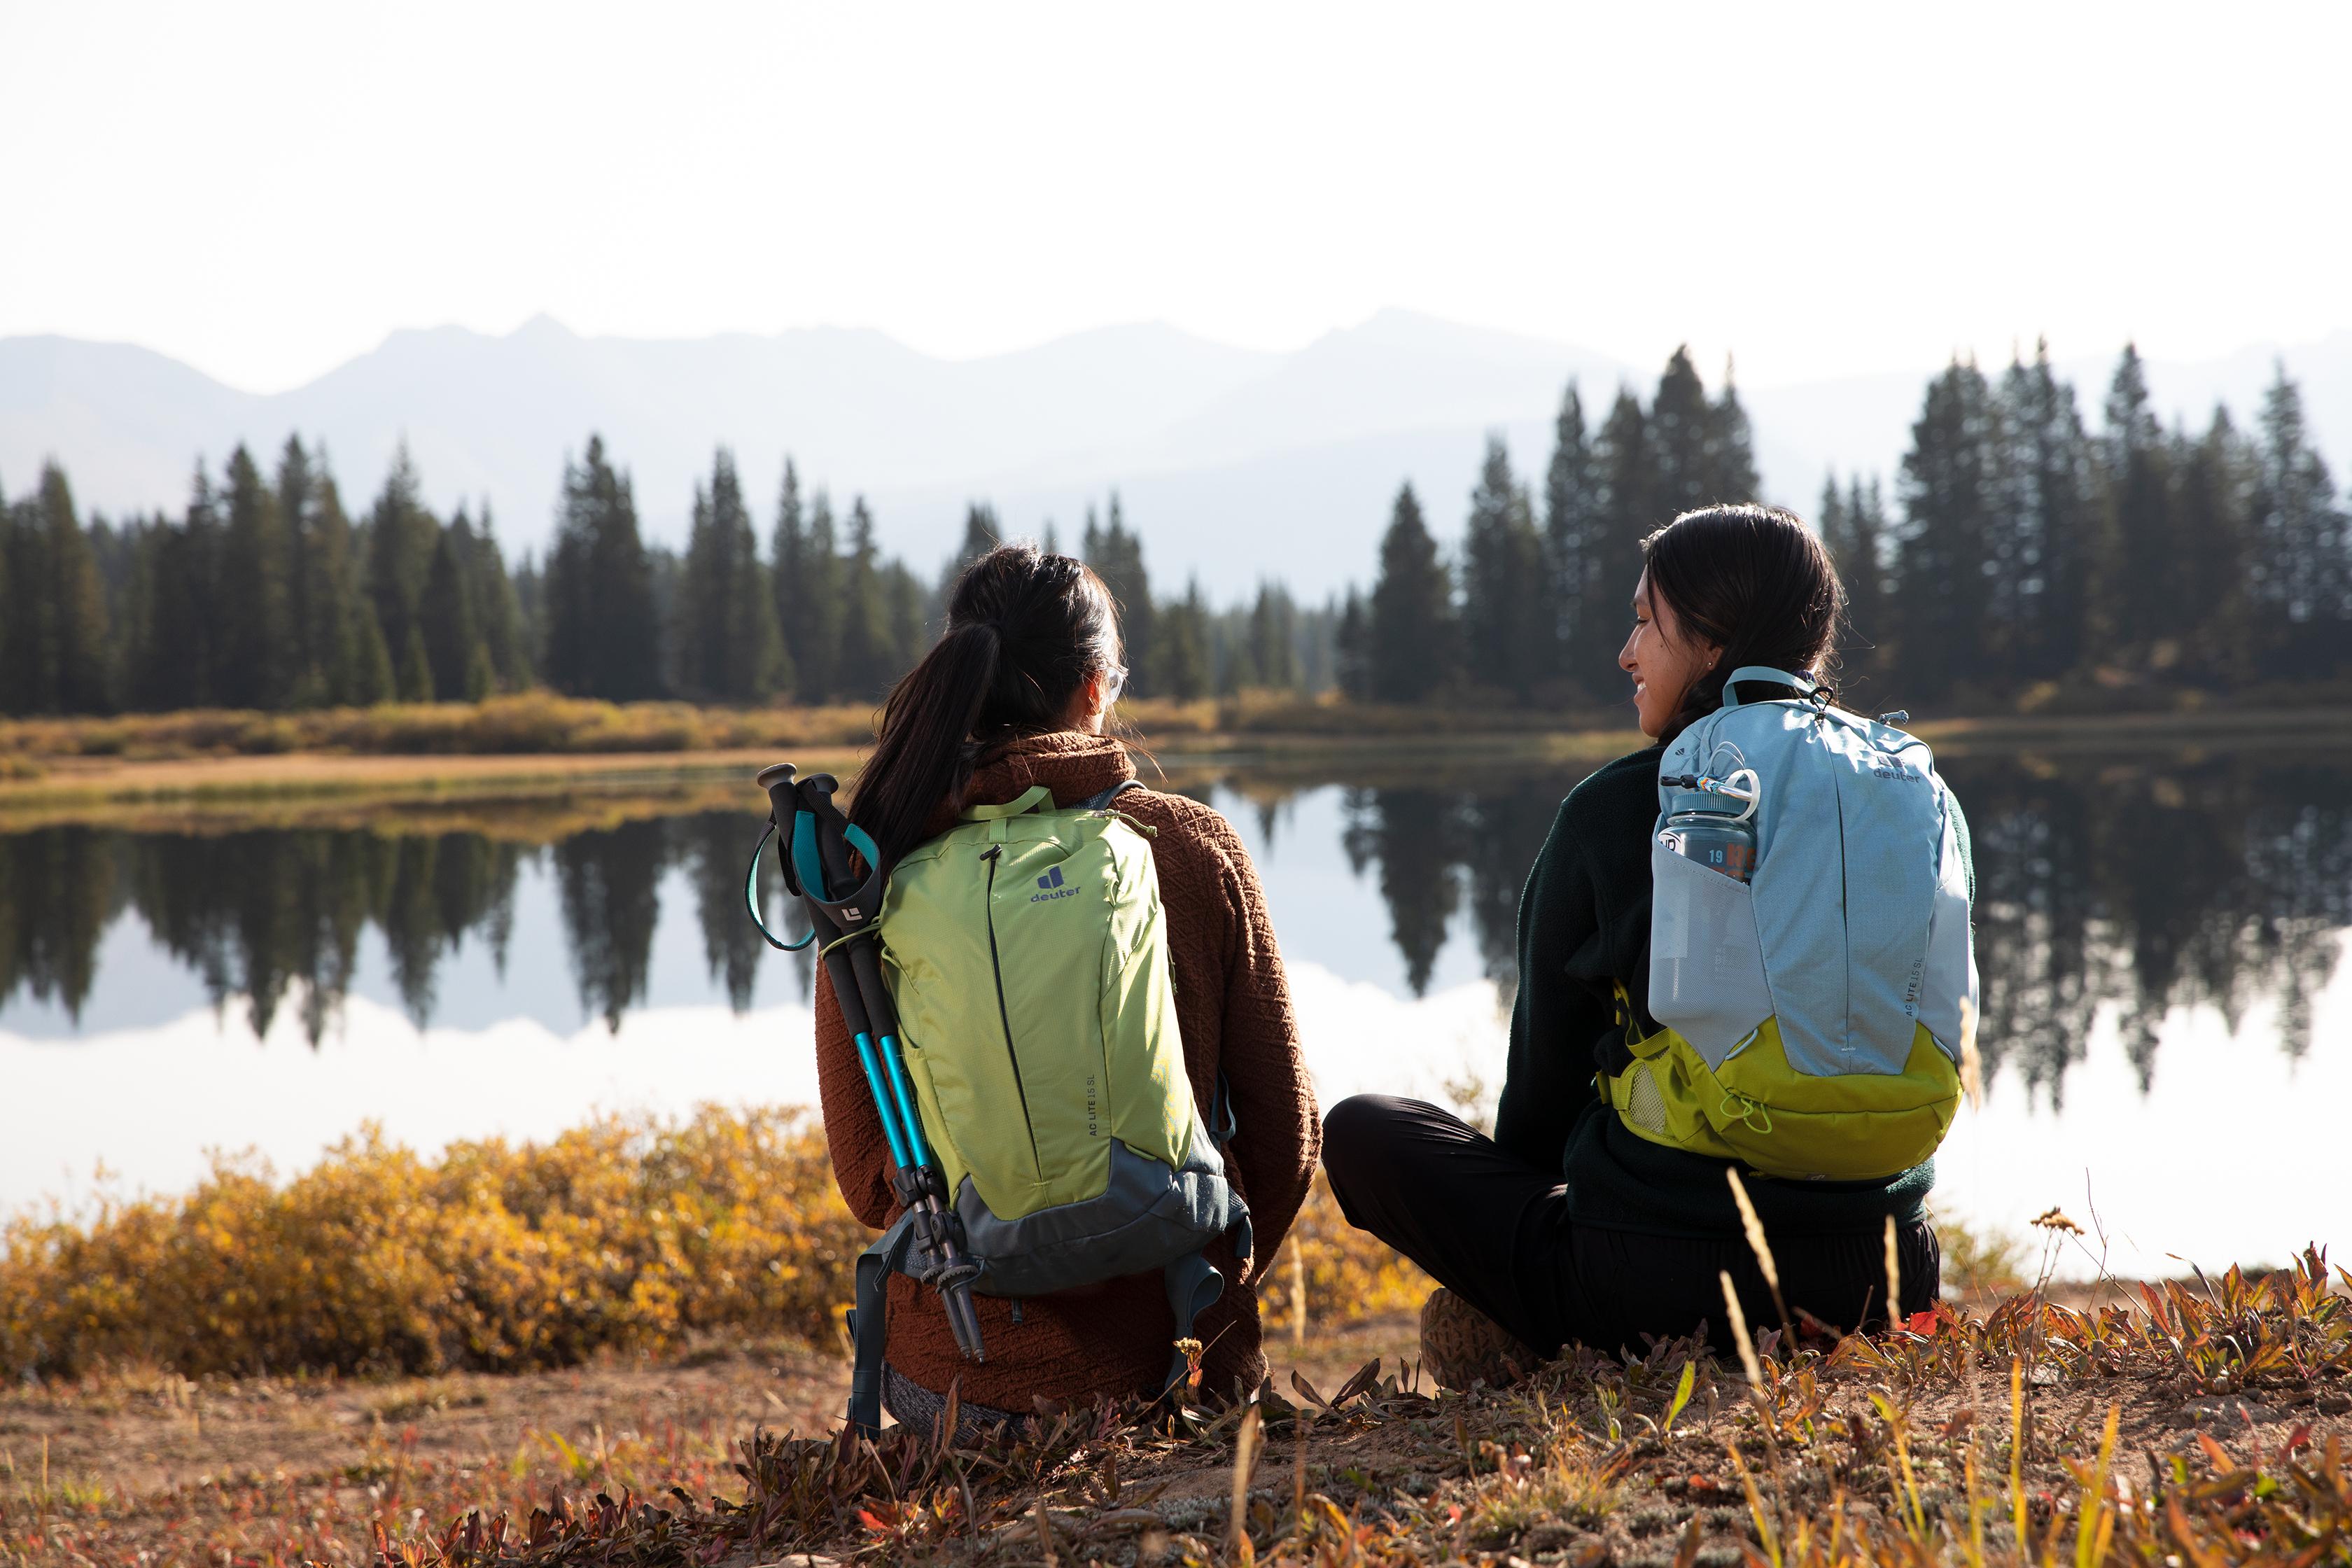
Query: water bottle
point(1721, 841)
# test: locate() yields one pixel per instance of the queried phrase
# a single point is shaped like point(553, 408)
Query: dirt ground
point(148, 1467)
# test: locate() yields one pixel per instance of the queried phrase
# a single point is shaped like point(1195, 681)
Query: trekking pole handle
point(777, 780)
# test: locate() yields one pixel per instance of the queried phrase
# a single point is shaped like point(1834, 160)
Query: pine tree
point(2214, 482)
point(445, 612)
point(787, 578)
point(1729, 451)
point(256, 641)
point(2046, 529)
point(603, 633)
point(666, 572)
point(1854, 526)
point(324, 595)
point(498, 617)
point(731, 649)
point(1625, 511)
point(1273, 638)
point(906, 606)
point(1683, 438)
point(822, 612)
point(481, 673)
point(368, 676)
point(1414, 635)
point(1229, 645)
point(20, 637)
point(865, 622)
point(2147, 616)
point(1572, 517)
point(175, 651)
point(415, 681)
point(83, 657)
point(530, 612)
point(1950, 491)
point(1507, 644)
point(1187, 669)
point(1117, 557)
point(981, 533)
point(401, 536)
point(1352, 649)
point(2302, 579)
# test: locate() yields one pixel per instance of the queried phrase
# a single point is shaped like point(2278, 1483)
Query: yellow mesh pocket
point(1645, 1107)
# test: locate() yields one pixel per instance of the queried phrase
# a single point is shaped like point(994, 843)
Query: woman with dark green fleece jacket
point(1566, 1226)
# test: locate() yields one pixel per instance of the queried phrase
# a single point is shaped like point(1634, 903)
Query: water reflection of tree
point(268, 915)
point(2224, 884)
point(2144, 890)
point(58, 891)
point(606, 883)
point(1437, 849)
point(2213, 884)
point(716, 846)
point(1409, 835)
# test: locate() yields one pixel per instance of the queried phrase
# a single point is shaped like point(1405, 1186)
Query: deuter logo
point(1051, 879)
point(1051, 887)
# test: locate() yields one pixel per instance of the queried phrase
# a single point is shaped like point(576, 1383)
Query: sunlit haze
point(265, 191)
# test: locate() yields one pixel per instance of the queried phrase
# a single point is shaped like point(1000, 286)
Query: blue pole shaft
point(912, 1122)
point(882, 1103)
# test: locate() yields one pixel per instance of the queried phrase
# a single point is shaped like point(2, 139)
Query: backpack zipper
point(1004, 1017)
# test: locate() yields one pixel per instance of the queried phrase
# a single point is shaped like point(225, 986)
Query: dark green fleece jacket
point(1584, 924)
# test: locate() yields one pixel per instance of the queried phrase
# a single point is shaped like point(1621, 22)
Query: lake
point(2167, 1021)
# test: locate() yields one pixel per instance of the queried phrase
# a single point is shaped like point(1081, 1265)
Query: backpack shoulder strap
point(869, 1322)
point(1102, 800)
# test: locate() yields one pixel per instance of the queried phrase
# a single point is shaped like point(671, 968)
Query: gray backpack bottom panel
point(1146, 1217)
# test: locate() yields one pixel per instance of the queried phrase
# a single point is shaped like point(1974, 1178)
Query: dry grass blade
point(1754, 1227)
point(1894, 1278)
point(1246, 1446)
point(1747, 1361)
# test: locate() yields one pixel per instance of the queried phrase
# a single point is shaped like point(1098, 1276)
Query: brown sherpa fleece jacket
point(1232, 1007)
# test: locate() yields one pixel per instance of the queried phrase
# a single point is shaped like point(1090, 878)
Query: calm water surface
point(2167, 1027)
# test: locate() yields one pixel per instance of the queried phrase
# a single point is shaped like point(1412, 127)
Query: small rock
point(2228, 1408)
point(2334, 1403)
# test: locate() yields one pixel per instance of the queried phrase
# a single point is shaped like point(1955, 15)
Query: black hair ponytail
point(1024, 631)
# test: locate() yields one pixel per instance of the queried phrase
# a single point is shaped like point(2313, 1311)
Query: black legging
point(1497, 1232)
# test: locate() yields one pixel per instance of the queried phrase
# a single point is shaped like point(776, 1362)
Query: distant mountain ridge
point(1235, 464)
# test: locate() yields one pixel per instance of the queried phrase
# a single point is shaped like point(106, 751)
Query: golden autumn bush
point(1351, 1276)
point(626, 1233)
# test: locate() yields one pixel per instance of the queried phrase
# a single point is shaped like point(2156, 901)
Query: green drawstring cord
point(1737, 1107)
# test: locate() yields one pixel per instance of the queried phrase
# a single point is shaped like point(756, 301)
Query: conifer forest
point(2026, 552)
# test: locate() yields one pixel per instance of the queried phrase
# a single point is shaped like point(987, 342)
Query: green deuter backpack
point(1027, 952)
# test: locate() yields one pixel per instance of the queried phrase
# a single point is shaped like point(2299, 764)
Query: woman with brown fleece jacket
point(1019, 684)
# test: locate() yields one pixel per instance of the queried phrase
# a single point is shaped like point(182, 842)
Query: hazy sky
point(265, 191)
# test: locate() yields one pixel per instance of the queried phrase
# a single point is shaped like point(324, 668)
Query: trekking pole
point(817, 861)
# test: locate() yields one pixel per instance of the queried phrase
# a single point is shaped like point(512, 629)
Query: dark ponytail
point(1753, 580)
point(1024, 631)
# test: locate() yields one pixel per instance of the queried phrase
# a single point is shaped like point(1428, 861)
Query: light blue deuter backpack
point(1813, 1017)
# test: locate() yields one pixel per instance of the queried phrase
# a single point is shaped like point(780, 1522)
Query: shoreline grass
point(304, 766)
